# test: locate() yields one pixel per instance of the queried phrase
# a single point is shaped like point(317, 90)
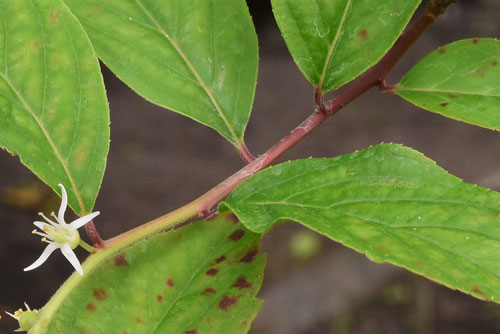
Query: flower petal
point(45, 254)
point(40, 225)
point(83, 220)
point(64, 205)
point(70, 255)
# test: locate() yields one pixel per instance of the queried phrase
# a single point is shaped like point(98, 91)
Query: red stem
point(373, 77)
point(94, 236)
point(245, 153)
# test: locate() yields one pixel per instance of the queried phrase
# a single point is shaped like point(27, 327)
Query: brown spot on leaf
point(209, 291)
point(220, 259)
point(495, 214)
point(475, 40)
point(100, 294)
point(170, 283)
point(91, 307)
point(191, 331)
point(212, 272)
point(232, 218)
point(363, 34)
point(494, 63)
point(442, 50)
point(444, 104)
point(476, 289)
point(248, 257)
point(242, 283)
point(125, 332)
point(53, 18)
point(226, 302)
point(36, 44)
point(121, 261)
point(237, 235)
point(452, 96)
point(159, 298)
point(138, 320)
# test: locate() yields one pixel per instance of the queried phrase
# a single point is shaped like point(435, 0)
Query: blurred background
point(160, 160)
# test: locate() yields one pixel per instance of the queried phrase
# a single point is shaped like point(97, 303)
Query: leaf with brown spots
point(166, 283)
point(397, 206)
point(464, 79)
point(333, 42)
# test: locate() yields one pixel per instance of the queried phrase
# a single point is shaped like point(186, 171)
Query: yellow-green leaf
point(53, 108)
point(460, 80)
point(196, 57)
point(390, 203)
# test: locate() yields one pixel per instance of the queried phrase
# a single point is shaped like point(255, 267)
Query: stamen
point(47, 219)
point(34, 231)
point(42, 234)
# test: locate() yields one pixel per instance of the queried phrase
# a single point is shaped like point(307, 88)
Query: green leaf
point(197, 57)
point(53, 108)
point(201, 278)
point(390, 203)
point(334, 41)
point(459, 80)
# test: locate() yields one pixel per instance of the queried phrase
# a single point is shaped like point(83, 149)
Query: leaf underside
point(390, 203)
point(201, 278)
point(53, 108)
point(334, 41)
point(459, 80)
point(198, 58)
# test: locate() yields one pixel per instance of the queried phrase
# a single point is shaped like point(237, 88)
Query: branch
point(94, 236)
point(374, 77)
point(245, 153)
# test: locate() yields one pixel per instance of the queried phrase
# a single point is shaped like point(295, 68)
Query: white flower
point(61, 235)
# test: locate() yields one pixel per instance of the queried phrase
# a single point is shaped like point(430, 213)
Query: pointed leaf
point(334, 41)
point(198, 57)
point(53, 107)
point(459, 80)
point(390, 203)
point(201, 278)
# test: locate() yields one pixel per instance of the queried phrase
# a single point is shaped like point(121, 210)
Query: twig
point(374, 77)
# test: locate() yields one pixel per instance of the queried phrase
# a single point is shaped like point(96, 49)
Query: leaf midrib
point(30, 111)
point(207, 261)
point(334, 44)
point(58, 155)
point(193, 70)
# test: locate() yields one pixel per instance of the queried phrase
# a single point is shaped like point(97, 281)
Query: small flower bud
point(24, 318)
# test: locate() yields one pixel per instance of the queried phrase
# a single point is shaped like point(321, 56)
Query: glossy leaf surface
point(460, 80)
point(198, 57)
point(53, 107)
point(334, 41)
point(201, 278)
point(390, 203)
